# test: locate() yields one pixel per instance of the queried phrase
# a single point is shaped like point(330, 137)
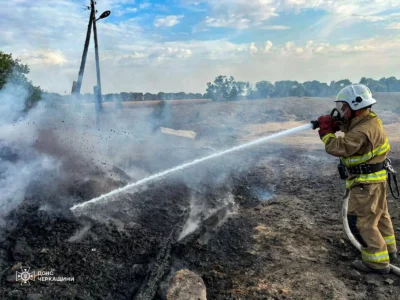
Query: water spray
point(109, 196)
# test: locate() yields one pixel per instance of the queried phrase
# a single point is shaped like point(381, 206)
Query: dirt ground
point(267, 220)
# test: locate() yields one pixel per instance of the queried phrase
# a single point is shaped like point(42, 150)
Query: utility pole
point(78, 86)
point(96, 49)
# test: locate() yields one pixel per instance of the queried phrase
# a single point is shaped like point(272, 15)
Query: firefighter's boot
point(361, 266)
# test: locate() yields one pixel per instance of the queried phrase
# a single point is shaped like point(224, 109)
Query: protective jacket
point(365, 141)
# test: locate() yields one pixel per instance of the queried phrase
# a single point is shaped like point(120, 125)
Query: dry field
point(266, 221)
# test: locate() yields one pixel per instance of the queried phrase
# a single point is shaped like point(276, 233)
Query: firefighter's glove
point(335, 125)
point(326, 125)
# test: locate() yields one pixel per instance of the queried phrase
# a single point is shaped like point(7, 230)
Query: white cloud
point(253, 49)
point(239, 13)
point(145, 5)
point(228, 22)
point(244, 14)
point(168, 21)
point(343, 7)
point(44, 57)
point(268, 46)
point(125, 10)
point(370, 18)
point(167, 53)
point(275, 27)
point(393, 26)
point(289, 46)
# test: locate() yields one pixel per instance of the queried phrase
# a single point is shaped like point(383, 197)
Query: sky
point(180, 45)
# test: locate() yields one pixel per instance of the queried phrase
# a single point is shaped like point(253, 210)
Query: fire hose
point(392, 175)
point(393, 269)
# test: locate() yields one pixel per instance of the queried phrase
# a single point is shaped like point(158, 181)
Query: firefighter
point(363, 150)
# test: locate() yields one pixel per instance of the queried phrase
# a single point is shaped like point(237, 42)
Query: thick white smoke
point(21, 166)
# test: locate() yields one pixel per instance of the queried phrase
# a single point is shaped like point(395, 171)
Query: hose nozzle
point(315, 124)
point(335, 114)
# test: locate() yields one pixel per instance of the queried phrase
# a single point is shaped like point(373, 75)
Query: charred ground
point(269, 222)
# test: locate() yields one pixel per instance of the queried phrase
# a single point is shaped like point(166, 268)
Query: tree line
point(224, 88)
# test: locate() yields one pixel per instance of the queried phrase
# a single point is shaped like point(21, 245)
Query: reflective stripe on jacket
point(365, 141)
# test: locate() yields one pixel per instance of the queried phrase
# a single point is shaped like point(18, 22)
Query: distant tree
point(125, 96)
point(149, 96)
point(168, 96)
point(316, 89)
point(234, 93)
point(11, 70)
point(213, 92)
point(265, 89)
point(180, 96)
point(374, 85)
point(34, 96)
point(14, 72)
point(161, 96)
point(298, 91)
point(392, 84)
point(282, 88)
point(223, 89)
point(138, 97)
point(243, 88)
point(107, 97)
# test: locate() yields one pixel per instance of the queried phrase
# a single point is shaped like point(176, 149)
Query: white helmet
point(357, 96)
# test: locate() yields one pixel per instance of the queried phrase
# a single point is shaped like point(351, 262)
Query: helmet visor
point(342, 107)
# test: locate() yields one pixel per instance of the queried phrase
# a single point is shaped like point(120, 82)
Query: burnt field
point(262, 223)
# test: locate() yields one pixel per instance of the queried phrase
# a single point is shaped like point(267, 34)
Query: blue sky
point(180, 45)
point(293, 25)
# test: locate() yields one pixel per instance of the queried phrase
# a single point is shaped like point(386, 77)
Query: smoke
point(56, 152)
point(200, 211)
point(22, 168)
point(12, 103)
point(17, 175)
point(262, 194)
point(80, 234)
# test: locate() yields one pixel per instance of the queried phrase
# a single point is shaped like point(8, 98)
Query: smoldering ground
point(55, 152)
point(72, 161)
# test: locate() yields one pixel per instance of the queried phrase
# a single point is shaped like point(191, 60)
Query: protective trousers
point(370, 223)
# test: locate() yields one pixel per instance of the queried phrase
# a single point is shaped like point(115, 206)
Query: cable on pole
point(80, 3)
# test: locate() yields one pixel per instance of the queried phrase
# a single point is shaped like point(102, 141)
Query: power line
point(84, 4)
point(80, 3)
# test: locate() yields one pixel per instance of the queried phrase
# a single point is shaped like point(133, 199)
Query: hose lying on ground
point(394, 269)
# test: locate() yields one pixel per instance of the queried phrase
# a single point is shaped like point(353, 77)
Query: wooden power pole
point(96, 49)
point(77, 89)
